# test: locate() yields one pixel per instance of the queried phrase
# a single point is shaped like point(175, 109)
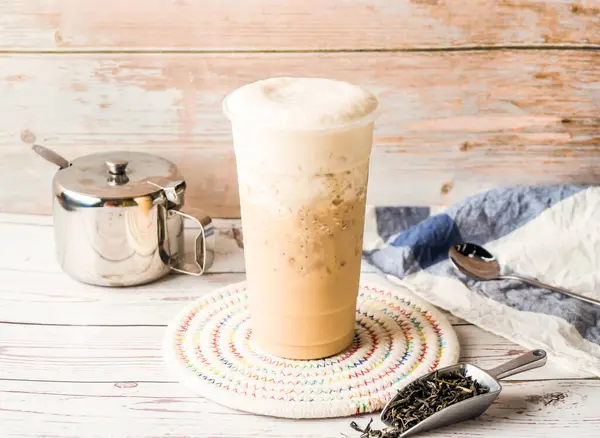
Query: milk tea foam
point(302, 148)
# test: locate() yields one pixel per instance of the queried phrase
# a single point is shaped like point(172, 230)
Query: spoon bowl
point(474, 261)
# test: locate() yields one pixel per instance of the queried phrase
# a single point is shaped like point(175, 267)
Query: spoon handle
point(51, 156)
point(525, 362)
point(552, 288)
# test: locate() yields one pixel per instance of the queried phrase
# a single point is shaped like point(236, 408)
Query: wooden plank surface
point(229, 256)
point(83, 331)
point(550, 409)
point(133, 353)
point(79, 361)
point(37, 232)
point(452, 124)
point(54, 298)
point(294, 25)
point(61, 379)
point(35, 290)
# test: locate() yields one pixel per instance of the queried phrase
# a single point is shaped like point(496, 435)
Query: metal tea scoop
point(474, 406)
point(476, 262)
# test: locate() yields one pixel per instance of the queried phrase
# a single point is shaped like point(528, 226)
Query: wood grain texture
point(133, 353)
point(294, 25)
point(37, 232)
point(54, 298)
point(34, 289)
point(97, 381)
point(79, 361)
point(452, 124)
point(552, 409)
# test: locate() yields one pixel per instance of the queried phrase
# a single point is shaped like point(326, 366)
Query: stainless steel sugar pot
point(119, 219)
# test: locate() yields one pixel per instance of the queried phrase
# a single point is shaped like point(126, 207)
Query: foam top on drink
point(300, 103)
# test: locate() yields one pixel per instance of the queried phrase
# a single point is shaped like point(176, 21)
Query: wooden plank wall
point(474, 94)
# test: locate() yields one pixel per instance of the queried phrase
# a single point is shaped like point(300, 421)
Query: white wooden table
point(80, 361)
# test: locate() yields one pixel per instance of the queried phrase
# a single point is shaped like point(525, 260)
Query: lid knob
point(117, 167)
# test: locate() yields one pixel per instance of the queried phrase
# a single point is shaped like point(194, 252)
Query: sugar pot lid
point(110, 176)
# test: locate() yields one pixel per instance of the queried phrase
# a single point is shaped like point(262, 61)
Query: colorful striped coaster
point(398, 339)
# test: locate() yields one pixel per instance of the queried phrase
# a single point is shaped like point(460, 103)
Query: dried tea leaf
point(421, 399)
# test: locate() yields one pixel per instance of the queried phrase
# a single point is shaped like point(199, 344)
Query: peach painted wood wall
point(475, 94)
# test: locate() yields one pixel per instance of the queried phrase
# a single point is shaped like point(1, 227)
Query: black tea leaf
point(421, 399)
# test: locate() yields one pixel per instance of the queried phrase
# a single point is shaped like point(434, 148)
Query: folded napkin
point(550, 233)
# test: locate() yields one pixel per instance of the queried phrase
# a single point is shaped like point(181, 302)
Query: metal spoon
point(51, 156)
point(474, 406)
point(475, 262)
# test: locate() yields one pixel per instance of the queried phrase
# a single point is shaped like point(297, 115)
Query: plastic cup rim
point(364, 120)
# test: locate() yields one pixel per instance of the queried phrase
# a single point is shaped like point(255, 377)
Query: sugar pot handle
point(204, 251)
point(204, 242)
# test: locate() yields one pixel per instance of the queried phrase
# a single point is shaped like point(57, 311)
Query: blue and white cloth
point(550, 233)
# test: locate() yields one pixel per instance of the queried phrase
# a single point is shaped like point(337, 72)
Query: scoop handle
point(528, 361)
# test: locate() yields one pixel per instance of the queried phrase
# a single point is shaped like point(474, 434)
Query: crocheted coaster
point(398, 339)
